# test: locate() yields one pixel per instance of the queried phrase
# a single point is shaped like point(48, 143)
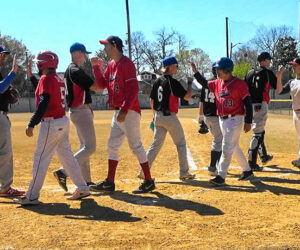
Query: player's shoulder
point(126, 62)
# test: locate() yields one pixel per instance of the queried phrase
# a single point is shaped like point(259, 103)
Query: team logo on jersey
point(113, 77)
point(224, 93)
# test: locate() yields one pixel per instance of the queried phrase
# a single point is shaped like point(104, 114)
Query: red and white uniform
point(120, 80)
point(53, 85)
point(231, 110)
point(229, 96)
point(53, 137)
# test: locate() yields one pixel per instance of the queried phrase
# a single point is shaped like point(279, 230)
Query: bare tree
point(165, 39)
point(102, 55)
point(138, 50)
point(151, 54)
point(246, 54)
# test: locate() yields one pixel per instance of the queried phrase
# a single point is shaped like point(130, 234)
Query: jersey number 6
point(160, 93)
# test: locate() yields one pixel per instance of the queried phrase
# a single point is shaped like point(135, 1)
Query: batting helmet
point(224, 63)
point(46, 60)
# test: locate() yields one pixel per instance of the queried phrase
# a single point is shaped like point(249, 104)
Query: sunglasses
point(2, 55)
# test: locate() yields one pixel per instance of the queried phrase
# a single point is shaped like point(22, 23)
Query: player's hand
point(29, 71)
point(194, 69)
point(95, 61)
point(247, 127)
point(280, 70)
point(121, 116)
point(15, 65)
point(29, 131)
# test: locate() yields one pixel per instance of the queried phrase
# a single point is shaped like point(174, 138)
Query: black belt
point(224, 117)
point(117, 108)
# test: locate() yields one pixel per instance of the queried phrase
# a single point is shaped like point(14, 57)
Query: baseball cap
point(295, 61)
point(3, 51)
point(263, 56)
point(78, 47)
point(224, 63)
point(113, 40)
point(169, 61)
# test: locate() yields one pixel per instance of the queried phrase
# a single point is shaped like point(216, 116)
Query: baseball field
point(260, 214)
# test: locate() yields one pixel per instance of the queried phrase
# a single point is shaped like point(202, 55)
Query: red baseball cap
point(296, 61)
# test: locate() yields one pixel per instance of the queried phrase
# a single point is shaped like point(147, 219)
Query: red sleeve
point(244, 92)
point(101, 80)
point(131, 87)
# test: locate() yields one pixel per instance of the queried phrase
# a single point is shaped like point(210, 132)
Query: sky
point(55, 25)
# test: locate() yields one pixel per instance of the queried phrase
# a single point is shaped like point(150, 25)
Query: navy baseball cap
point(3, 51)
point(169, 61)
point(78, 47)
point(114, 40)
point(296, 61)
point(263, 56)
point(224, 63)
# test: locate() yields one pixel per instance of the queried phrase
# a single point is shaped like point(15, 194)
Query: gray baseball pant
point(83, 119)
point(213, 124)
point(171, 124)
point(6, 154)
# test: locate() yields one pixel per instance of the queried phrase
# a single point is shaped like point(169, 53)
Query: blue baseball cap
point(78, 47)
point(224, 63)
point(169, 61)
point(3, 51)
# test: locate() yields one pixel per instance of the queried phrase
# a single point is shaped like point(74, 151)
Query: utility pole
point(128, 30)
point(227, 45)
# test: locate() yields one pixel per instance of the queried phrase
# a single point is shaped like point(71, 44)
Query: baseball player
point(292, 86)
point(259, 83)
point(210, 118)
point(79, 101)
point(232, 100)
point(54, 131)
point(6, 154)
point(120, 80)
point(164, 101)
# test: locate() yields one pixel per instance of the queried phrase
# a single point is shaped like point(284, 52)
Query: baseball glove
point(13, 95)
point(203, 128)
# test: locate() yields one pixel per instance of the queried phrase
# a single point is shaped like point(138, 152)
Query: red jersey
point(229, 95)
point(53, 85)
point(120, 80)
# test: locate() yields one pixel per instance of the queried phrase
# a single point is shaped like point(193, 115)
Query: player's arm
point(79, 77)
point(100, 79)
point(249, 113)
point(201, 79)
point(188, 95)
point(272, 79)
point(33, 79)
point(5, 83)
point(282, 89)
point(39, 113)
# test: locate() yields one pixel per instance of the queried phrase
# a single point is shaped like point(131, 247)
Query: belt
point(117, 108)
point(224, 117)
point(3, 112)
point(51, 118)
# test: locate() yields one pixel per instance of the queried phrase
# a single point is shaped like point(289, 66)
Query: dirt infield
point(261, 214)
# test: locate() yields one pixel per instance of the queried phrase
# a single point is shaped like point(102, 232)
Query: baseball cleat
point(145, 187)
point(89, 183)
point(187, 176)
point(77, 195)
point(24, 201)
point(296, 163)
point(217, 181)
point(61, 179)
point(11, 192)
point(266, 158)
point(104, 186)
point(256, 167)
point(246, 176)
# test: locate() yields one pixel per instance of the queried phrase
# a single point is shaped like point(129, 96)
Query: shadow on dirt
point(89, 210)
point(165, 201)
